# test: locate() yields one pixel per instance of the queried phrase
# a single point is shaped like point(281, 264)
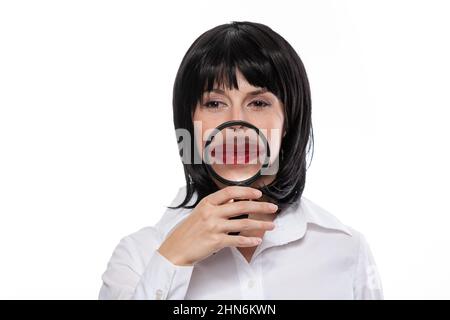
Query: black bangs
point(266, 60)
point(223, 75)
point(222, 53)
point(218, 68)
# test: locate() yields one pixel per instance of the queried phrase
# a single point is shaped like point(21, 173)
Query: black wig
point(266, 60)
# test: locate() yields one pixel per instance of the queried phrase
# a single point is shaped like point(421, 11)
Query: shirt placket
point(249, 276)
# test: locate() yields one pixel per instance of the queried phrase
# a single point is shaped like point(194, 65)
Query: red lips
point(242, 153)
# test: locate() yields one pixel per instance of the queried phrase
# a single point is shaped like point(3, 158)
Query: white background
point(88, 152)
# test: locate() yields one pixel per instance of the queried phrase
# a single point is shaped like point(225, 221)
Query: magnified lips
point(239, 153)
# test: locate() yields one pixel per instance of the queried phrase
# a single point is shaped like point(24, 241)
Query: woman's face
point(252, 104)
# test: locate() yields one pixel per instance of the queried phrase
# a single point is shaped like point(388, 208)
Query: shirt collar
point(290, 224)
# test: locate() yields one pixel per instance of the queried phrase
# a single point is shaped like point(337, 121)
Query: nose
point(236, 127)
point(237, 114)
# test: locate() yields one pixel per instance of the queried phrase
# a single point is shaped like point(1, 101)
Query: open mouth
point(237, 152)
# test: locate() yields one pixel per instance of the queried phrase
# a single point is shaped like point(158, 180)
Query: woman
point(288, 247)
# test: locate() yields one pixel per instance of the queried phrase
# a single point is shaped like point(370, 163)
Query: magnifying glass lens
point(237, 155)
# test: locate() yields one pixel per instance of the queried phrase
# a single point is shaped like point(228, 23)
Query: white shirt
point(309, 255)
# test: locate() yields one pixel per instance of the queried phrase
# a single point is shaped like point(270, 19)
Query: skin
point(205, 230)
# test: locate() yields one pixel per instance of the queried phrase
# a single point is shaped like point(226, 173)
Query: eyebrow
point(252, 93)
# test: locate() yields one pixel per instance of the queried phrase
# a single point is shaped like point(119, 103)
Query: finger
point(246, 224)
point(233, 192)
point(241, 207)
point(241, 241)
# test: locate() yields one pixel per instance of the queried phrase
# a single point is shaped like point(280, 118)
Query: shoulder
point(331, 227)
point(343, 246)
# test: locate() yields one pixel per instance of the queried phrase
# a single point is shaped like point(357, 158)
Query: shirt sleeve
point(367, 285)
point(129, 276)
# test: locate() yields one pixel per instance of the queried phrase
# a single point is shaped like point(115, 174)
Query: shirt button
point(251, 283)
point(159, 294)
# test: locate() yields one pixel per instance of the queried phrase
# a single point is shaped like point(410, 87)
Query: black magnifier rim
point(213, 173)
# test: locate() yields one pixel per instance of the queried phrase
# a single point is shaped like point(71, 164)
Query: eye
point(259, 103)
point(213, 104)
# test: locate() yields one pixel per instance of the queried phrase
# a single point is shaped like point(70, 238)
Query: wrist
point(175, 259)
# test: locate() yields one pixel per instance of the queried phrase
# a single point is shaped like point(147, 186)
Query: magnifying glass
point(236, 153)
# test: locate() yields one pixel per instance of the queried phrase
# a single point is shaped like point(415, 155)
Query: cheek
point(198, 120)
point(207, 119)
point(273, 123)
point(272, 120)
point(204, 123)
